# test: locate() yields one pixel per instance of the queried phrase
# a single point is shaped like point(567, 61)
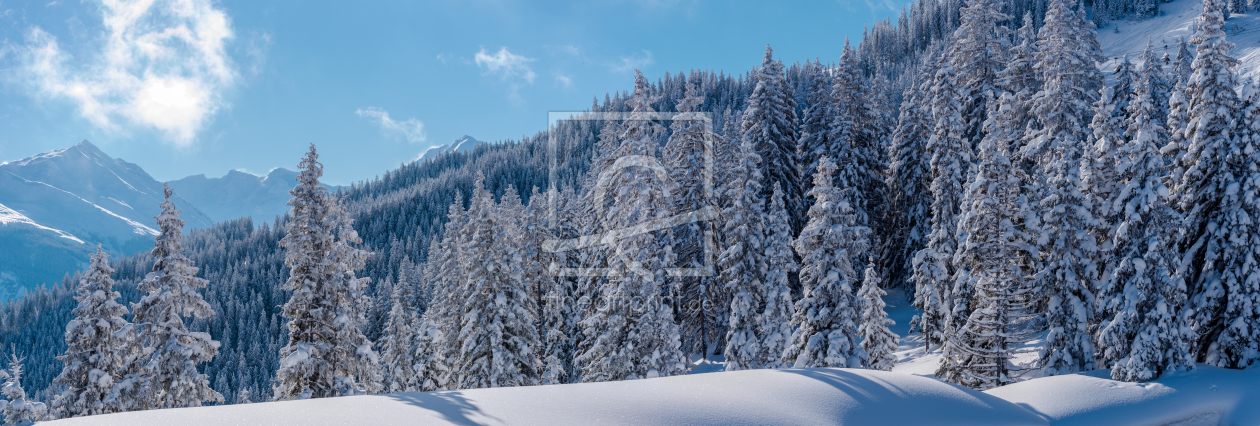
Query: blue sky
point(185, 87)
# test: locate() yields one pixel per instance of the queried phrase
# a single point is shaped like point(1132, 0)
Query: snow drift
point(754, 397)
point(1206, 396)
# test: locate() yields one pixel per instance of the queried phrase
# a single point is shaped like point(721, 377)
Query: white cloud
point(564, 80)
point(570, 49)
point(511, 68)
point(412, 130)
point(633, 62)
point(163, 66)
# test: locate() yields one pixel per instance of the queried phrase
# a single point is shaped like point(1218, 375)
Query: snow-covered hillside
point(1177, 19)
point(757, 397)
point(60, 204)
point(239, 194)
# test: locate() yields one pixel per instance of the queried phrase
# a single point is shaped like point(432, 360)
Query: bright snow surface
point(1207, 396)
point(755, 397)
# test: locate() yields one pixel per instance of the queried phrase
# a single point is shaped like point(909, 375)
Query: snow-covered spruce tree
point(742, 264)
point(326, 354)
point(19, 409)
point(498, 338)
point(978, 354)
point(825, 323)
point(558, 341)
point(1238, 343)
point(1070, 265)
point(631, 333)
point(93, 359)
point(817, 120)
point(1218, 235)
point(878, 342)
point(397, 353)
point(164, 374)
point(951, 157)
point(769, 124)
point(909, 180)
point(559, 330)
point(1098, 170)
point(775, 322)
point(534, 231)
point(356, 365)
point(1022, 79)
point(976, 53)
point(685, 159)
point(856, 146)
point(1178, 114)
point(1143, 330)
point(1122, 93)
point(1154, 80)
point(436, 343)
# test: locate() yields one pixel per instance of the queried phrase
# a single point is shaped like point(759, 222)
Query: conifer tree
point(498, 337)
point(631, 332)
point(1098, 170)
point(93, 359)
point(19, 409)
point(164, 374)
point(951, 157)
point(995, 215)
point(397, 353)
point(1070, 270)
point(976, 54)
point(775, 321)
point(769, 124)
point(825, 323)
point(742, 263)
point(327, 354)
point(878, 342)
point(856, 146)
point(685, 157)
point(817, 120)
point(1143, 331)
point(1218, 234)
point(909, 179)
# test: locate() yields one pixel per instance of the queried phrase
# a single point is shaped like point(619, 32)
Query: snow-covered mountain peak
point(60, 202)
point(463, 144)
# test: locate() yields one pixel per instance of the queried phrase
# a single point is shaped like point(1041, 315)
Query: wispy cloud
point(163, 66)
point(564, 80)
point(411, 129)
point(632, 62)
point(509, 67)
point(571, 49)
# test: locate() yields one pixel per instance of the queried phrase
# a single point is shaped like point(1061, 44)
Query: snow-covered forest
point(973, 157)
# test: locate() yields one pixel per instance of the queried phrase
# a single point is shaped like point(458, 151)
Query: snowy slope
point(62, 203)
point(27, 249)
point(239, 194)
point(463, 144)
point(1208, 396)
point(757, 397)
point(1128, 37)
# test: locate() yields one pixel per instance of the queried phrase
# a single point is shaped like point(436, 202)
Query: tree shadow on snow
point(872, 393)
point(451, 405)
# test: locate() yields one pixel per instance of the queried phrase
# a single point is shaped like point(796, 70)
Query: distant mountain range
point(55, 207)
point(239, 194)
point(463, 144)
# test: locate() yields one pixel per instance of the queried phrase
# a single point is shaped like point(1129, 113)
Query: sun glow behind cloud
point(162, 66)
